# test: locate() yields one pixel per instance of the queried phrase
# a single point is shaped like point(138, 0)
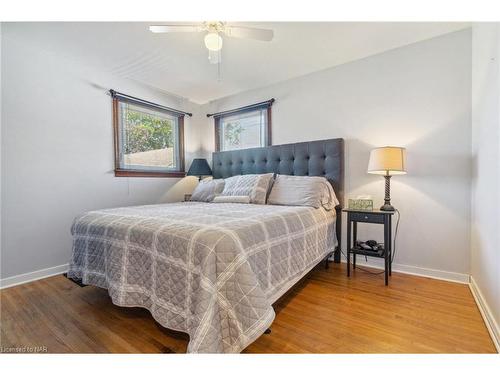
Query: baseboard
point(413, 270)
point(488, 317)
point(32, 276)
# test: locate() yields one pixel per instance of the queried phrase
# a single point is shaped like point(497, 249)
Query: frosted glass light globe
point(213, 41)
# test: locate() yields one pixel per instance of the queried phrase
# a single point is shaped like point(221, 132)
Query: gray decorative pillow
point(207, 190)
point(253, 185)
point(303, 191)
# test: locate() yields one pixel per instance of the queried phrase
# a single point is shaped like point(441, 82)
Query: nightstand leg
point(354, 241)
point(390, 245)
point(348, 245)
point(386, 247)
point(386, 271)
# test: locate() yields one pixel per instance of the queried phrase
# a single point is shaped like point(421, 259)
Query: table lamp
point(199, 167)
point(387, 161)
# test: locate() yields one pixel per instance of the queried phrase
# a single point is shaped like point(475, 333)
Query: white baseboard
point(488, 317)
point(32, 276)
point(411, 270)
point(456, 277)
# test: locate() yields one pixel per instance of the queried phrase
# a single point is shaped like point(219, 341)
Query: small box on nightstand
point(360, 204)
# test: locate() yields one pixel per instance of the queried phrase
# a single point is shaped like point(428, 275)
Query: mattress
point(211, 270)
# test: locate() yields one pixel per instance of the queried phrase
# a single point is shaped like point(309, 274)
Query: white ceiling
point(178, 63)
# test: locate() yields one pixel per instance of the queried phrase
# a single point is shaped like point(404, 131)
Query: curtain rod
point(116, 94)
point(267, 103)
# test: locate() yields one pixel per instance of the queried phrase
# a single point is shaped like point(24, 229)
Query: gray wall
point(485, 254)
point(416, 96)
point(57, 154)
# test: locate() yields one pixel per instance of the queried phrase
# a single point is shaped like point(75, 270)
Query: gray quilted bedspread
point(211, 270)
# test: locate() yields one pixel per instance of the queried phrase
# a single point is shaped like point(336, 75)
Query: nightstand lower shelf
point(360, 251)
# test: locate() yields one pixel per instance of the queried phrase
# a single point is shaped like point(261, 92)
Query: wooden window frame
point(120, 172)
point(217, 117)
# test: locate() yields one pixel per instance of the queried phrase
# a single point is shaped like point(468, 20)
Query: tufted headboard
point(315, 158)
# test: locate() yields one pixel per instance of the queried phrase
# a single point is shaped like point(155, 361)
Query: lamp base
point(387, 200)
point(387, 207)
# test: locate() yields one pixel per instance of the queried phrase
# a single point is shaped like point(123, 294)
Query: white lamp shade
point(387, 161)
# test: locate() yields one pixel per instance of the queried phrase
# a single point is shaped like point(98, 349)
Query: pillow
point(207, 189)
point(232, 199)
point(253, 185)
point(303, 191)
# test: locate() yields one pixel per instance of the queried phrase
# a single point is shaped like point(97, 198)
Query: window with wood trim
point(245, 127)
point(149, 139)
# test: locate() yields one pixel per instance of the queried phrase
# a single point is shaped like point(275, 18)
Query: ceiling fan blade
point(249, 33)
point(175, 28)
point(214, 57)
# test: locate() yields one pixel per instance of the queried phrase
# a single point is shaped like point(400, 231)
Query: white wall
point(416, 96)
point(57, 153)
point(485, 249)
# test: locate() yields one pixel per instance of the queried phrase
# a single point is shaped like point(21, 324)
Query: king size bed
point(213, 270)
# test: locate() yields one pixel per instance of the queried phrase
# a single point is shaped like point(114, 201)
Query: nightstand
point(187, 197)
point(373, 217)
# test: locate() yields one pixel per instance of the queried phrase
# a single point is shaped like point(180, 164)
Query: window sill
point(137, 173)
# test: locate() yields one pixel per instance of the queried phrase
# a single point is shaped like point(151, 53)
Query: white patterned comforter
point(211, 270)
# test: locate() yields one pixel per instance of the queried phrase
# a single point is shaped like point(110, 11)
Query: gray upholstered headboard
point(315, 158)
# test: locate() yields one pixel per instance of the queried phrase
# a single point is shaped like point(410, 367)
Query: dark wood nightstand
point(374, 217)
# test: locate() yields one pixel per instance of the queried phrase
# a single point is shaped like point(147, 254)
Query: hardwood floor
point(326, 313)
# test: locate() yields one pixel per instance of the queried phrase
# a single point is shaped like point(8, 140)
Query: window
point(245, 127)
point(149, 140)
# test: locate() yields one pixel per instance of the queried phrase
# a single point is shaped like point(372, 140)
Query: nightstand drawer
point(367, 217)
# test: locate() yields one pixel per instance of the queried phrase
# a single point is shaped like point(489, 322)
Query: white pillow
point(207, 189)
point(253, 185)
point(303, 191)
point(232, 199)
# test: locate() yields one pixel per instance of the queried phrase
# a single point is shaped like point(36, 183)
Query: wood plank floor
point(325, 313)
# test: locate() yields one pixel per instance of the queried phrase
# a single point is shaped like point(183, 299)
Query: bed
point(213, 270)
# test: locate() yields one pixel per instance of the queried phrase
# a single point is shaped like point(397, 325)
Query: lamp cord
point(393, 247)
point(395, 236)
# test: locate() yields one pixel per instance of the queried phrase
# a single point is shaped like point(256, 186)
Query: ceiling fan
point(215, 30)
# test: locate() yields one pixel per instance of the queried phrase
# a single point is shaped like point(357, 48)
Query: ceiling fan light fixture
point(213, 41)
